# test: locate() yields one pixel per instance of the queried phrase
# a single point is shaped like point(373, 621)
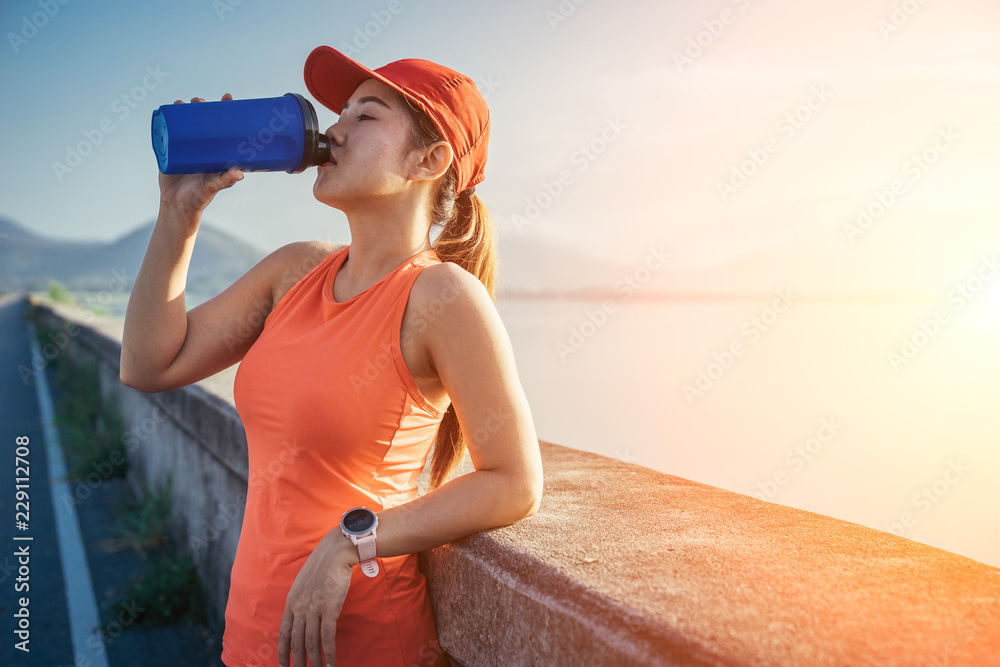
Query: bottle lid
point(159, 132)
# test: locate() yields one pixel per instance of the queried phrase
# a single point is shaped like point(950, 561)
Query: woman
point(358, 358)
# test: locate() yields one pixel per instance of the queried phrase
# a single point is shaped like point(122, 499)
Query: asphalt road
point(48, 617)
point(49, 640)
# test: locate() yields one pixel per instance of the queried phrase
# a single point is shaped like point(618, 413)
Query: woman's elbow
point(532, 496)
point(521, 498)
point(131, 381)
point(137, 380)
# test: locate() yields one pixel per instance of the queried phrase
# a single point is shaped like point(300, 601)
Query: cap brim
point(332, 77)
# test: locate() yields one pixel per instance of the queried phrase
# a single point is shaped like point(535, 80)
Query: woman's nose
point(336, 134)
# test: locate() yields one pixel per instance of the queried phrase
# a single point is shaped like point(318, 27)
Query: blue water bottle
point(266, 134)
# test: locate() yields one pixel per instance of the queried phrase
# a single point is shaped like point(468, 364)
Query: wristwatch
point(359, 524)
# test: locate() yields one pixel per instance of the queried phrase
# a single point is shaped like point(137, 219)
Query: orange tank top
point(333, 420)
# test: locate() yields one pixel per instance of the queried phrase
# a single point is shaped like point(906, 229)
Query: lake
point(797, 401)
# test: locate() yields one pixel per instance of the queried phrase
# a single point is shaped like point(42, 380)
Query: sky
point(730, 131)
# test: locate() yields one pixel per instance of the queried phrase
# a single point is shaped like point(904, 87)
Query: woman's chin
point(322, 195)
point(325, 198)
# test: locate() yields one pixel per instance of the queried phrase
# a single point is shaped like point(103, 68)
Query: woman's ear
point(434, 162)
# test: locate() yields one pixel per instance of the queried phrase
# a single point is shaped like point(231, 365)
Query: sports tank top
point(333, 420)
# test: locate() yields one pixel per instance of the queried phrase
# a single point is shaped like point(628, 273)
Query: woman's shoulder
point(446, 281)
point(292, 261)
point(304, 255)
point(461, 327)
point(446, 287)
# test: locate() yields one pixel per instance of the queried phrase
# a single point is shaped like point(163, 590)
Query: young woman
point(358, 358)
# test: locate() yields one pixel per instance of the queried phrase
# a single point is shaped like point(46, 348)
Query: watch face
point(358, 521)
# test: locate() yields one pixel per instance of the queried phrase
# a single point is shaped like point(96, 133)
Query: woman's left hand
point(309, 624)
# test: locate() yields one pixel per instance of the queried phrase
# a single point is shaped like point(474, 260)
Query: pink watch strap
point(366, 554)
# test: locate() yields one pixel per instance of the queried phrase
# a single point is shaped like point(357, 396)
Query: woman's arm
point(470, 349)
point(156, 320)
point(471, 352)
point(165, 346)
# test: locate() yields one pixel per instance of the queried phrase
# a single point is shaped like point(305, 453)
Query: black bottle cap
point(317, 144)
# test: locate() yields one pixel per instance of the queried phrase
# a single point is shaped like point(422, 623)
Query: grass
point(142, 524)
point(43, 332)
point(169, 590)
point(59, 293)
point(91, 427)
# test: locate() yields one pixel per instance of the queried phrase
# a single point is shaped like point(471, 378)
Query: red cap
point(450, 99)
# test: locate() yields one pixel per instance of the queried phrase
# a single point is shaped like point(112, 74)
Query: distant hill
point(814, 269)
point(29, 261)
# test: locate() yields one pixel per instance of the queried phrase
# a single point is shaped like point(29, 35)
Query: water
point(910, 450)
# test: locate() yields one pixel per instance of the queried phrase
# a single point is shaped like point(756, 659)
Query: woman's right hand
point(191, 193)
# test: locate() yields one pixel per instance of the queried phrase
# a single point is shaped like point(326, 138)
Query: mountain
point(29, 261)
point(814, 261)
point(532, 265)
point(543, 268)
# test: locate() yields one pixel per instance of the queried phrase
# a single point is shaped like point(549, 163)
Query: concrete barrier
point(621, 565)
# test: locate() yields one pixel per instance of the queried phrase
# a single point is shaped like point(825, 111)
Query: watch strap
point(366, 554)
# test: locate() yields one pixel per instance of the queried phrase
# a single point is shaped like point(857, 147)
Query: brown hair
point(467, 239)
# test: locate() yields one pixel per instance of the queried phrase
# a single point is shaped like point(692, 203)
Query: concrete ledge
point(625, 565)
point(622, 564)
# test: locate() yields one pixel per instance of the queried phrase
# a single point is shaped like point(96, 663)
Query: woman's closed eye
point(364, 116)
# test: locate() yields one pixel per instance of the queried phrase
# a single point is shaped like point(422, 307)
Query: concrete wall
point(622, 564)
point(188, 435)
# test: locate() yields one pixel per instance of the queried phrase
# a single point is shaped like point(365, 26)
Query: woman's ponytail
point(467, 238)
